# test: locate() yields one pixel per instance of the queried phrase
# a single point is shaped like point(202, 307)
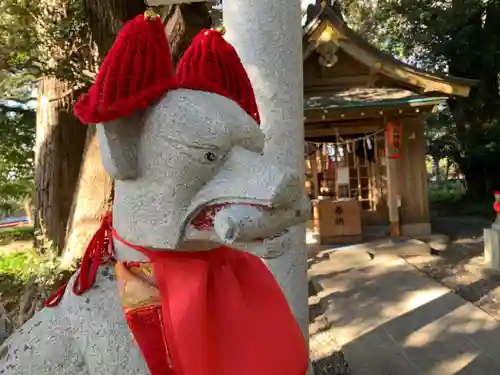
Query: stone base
point(492, 248)
point(416, 229)
point(437, 242)
point(480, 267)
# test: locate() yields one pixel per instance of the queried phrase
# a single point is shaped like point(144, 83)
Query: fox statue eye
point(210, 156)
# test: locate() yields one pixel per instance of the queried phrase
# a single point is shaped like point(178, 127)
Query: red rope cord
point(98, 253)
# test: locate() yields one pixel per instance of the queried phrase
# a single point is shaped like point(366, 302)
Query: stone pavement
point(390, 319)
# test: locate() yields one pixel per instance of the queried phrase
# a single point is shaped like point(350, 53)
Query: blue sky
point(305, 3)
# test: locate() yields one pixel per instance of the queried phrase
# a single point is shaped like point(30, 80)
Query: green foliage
point(37, 38)
point(19, 269)
point(17, 142)
point(448, 198)
point(446, 192)
point(440, 140)
point(17, 265)
point(461, 38)
point(8, 235)
point(43, 38)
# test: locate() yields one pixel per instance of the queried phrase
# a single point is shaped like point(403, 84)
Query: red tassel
point(98, 253)
point(55, 297)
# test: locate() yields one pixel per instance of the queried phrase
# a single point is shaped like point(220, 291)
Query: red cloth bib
point(224, 314)
point(218, 312)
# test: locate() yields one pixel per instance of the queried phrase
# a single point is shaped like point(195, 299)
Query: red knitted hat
point(211, 64)
point(137, 71)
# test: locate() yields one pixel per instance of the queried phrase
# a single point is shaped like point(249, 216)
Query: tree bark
point(90, 203)
point(91, 199)
point(437, 171)
point(60, 141)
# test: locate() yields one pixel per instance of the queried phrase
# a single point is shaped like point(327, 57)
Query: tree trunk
point(437, 171)
point(27, 210)
point(480, 182)
point(91, 199)
point(90, 203)
point(60, 141)
point(447, 169)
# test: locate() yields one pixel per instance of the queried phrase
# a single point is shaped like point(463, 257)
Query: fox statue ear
point(136, 72)
point(118, 143)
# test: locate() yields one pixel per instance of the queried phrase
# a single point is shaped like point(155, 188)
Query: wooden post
point(336, 164)
point(314, 170)
point(392, 192)
point(358, 172)
point(369, 174)
point(378, 180)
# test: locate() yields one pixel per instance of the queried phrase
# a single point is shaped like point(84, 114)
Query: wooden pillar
point(392, 192)
point(314, 170)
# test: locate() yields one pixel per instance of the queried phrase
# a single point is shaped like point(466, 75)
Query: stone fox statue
point(172, 282)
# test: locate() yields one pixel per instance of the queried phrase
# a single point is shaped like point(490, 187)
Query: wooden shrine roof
point(328, 27)
point(366, 97)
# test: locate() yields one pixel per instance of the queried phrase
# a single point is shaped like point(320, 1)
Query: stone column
point(492, 239)
point(268, 37)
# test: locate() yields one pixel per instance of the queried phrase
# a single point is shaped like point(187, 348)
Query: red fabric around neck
point(222, 311)
point(225, 314)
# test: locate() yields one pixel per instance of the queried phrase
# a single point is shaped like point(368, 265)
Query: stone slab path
point(390, 319)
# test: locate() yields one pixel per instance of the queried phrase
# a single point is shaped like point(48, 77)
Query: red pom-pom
point(212, 64)
point(137, 71)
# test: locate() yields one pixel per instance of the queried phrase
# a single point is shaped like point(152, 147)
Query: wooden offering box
point(337, 221)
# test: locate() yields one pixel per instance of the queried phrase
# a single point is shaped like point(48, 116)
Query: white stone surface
point(268, 37)
point(492, 248)
point(85, 335)
point(164, 179)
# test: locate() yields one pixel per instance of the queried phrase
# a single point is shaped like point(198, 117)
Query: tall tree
point(462, 38)
point(63, 44)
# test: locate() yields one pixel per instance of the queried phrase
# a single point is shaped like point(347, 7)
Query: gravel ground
point(460, 266)
point(335, 364)
point(326, 355)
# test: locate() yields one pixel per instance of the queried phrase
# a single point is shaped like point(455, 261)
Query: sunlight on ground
point(410, 301)
point(311, 238)
point(421, 297)
point(16, 247)
point(388, 317)
point(453, 365)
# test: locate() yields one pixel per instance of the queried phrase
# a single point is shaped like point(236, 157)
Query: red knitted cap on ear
point(137, 71)
point(212, 64)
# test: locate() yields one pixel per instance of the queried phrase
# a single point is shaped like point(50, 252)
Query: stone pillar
point(492, 239)
point(268, 37)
